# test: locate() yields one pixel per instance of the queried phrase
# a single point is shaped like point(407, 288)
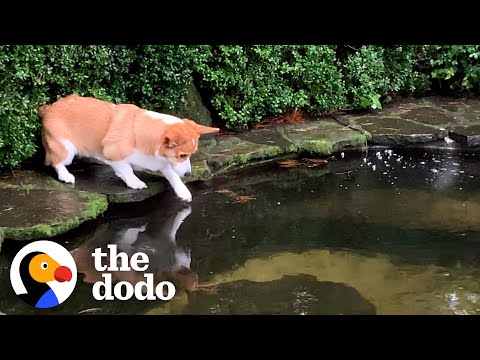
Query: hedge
point(240, 84)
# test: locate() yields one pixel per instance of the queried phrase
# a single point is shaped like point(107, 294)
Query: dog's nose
point(187, 174)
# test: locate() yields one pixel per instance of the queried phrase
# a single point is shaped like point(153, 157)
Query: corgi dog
point(123, 136)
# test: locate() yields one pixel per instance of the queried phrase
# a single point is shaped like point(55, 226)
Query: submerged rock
point(290, 295)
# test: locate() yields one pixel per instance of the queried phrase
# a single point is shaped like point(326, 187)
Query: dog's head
point(180, 142)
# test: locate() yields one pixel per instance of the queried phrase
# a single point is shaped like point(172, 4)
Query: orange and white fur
point(124, 136)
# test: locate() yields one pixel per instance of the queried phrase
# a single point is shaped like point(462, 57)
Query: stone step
point(28, 199)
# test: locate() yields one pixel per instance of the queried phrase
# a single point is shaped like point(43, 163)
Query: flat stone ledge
point(29, 200)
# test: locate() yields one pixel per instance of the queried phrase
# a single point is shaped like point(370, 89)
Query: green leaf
point(375, 101)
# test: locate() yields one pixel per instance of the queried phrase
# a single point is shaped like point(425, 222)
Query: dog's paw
point(182, 214)
point(67, 178)
point(184, 194)
point(137, 184)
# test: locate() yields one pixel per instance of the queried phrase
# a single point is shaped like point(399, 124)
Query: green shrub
point(240, 84)
point(365, 77)
point(35, 75)
point(160, 73)
point(457, 66)
point(403, 70)
point(22, 87)
point(153, 76)
point(98, 71)
point(249, 82)
point(313, 72)
point(374, 72)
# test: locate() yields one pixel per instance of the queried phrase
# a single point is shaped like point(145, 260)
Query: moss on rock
point(31, 216)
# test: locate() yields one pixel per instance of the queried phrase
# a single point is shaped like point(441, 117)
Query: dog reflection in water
point(155, 236)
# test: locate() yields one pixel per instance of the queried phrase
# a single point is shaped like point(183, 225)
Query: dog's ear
point(206, 129)
point(170, 142)
point(202, 129)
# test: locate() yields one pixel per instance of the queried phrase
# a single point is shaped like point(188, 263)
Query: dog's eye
point(184, 156)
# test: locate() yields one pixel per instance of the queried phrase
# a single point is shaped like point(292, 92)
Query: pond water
point(381, 232)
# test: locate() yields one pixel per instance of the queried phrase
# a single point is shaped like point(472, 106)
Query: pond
point(377, 232)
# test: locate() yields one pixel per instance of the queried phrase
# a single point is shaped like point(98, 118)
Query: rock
point(224, 153)
point(468, 135)
point(428, 116)
point(229, 152)
point(290, 295)
point(101, 179)
point(200, 171)
point(27, 179)
point(41, 213)
point(423, 122)
point(399, 132)
point(407, 123)
point(190, 106)
point(269, 136)
point(323, 137)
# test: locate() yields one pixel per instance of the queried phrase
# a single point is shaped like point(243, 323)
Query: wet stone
point(439, 101)
point(28, 179)
point(101, 179)
point(200, 171)
point(396, 109)
point(394, 126)
point(450, 107)
point(426, 115)
point(470, 115)
point(323, 137)
point(290, 295)
point(41, 213)
point(233, 151)
point(473, 103)
point(466, 135)
point(399, 132)
point(269, 136)
point(205, 143)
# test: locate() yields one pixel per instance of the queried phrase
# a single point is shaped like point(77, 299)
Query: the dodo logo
point(43, 274)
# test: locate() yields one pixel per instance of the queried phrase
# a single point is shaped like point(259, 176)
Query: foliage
point(161, 72)
point(249, 82)
point(241, 85)
point(458, 66)
point(374, 72)
point(403, 69)
point(34, 75)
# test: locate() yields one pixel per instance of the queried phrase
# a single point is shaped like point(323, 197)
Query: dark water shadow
point(291, 295)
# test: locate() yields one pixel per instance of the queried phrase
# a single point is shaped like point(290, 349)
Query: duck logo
point(43, 274)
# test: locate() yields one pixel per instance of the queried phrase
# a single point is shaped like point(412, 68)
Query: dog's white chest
point(140, 161)
point(149, 162)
